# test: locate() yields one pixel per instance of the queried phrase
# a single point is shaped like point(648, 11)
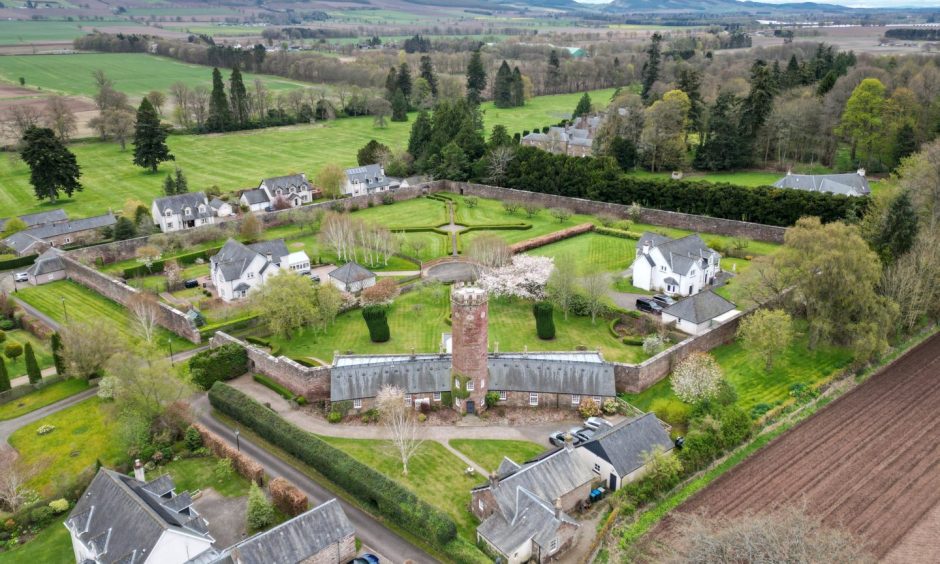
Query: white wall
point(174, 547)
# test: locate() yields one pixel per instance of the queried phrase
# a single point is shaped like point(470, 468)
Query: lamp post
point(238, 445)
point(169, 343)
point(65, 310)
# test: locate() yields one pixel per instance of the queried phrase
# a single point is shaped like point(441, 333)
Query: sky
point(853, 3)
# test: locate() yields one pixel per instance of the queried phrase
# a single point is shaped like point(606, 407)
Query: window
point(436, 396)
point(533, 398)
point(188, 211)
point(202, 208)
point(469, 385)
point(169, 225)
point(168, 213)
point(250, 275)
point(553, 546)
point(480, 504)
point(597, 400)
point(456, 383)
point(597, 468)
point(502, 395)
point(408, 399)
point(575, 400)
point(357, 403)
point(68, 240)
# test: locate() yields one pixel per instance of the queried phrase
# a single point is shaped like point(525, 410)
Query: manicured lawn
point(489, 453)
point(53, 545)
point(82, 304)
point(593, 252)
point(83, 433)
point(416, 320)
point(40, 347)
point(434, 475)
point(191, 474)
point(232, 160)
point(41, 398)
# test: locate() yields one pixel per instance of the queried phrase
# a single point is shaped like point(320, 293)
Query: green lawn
point(41, 398)
point(417, 320)
point(594, 252)
point(489, 453)
point(231, 160)
point(434, 475)
point(40, 347)
point(191, 474)
point(14, 32)
point(83, 433)
point(53, 545)
point(82, 304)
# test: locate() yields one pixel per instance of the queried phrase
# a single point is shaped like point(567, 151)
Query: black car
point(192, 283)
point(663, 300)
point(649, 306)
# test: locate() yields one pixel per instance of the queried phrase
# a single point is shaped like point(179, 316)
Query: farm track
point(869, 462)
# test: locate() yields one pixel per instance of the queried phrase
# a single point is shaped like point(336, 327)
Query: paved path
point(9, 426)
point(369, 530)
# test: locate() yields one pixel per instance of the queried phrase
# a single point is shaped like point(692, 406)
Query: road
point(370, 531)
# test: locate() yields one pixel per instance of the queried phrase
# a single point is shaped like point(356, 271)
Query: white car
point(596, 423)
point(21, 277)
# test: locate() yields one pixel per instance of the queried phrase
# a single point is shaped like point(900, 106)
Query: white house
point(674, 266)
point(699, 313)
point(238, 269)
point(47, 268)
point(182, 211)
point(352, 278)
point(615, 454)
point(221, 208)
point(369, 179)
point(279, 192)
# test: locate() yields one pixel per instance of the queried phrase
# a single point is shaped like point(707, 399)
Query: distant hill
point(689, 6)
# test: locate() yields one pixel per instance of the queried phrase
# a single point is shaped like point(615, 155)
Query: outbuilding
point(352, 278)
point(699, 313)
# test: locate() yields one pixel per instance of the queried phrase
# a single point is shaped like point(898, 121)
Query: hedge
point(550, 238)
point(499, 227)
point(156, 266)
point(272, 385)
point(287, 497)
point(17, 262)
point(243, 464)
point(222, 363)
point(618, 233)
point(377, 323)
point(386, 497)
point(544, 322)
point(230, 325)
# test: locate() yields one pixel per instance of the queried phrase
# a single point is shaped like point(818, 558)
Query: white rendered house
point(278, 192)
point(182, 211)
point(238, 269)
point(674, 266)
point(369, 179)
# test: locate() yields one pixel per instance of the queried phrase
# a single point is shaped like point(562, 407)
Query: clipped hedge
point(377, 322)
point(287, 497)
point(618, 233)
point(272, 385)
point(222, 363)
point(228, 326)
point(383, 495)
point(156, 266)
point(243, 464)
point(499, 227)
point(17, 262)
point(544, 322)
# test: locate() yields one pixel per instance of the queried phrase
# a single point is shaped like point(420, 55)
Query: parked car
point(649, 306)
point(365, 559)
point(663, 300)
point(596, 423)
point(191, 283)
point(585, 435)
point(558, 437)
point(21, 277)
point(315, 278)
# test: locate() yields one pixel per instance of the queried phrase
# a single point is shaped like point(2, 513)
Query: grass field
point(191, 474)
point(83, 433)
point(593, 252)
point(82, 304)
point(416, 320)
point(40, 348)
point(135, 74)
point(17, 32)
point(434, 475)
point(236, 160)
point(489, 453)
point(46, 396)
point(53, 545)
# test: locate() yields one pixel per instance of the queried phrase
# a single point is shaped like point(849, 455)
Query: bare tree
point(330, 180)
point(561, 214)
point(12, 493)
point(21, 118)
point(181, 95)
point(157, 99)
point(87, 346)
point(594, 285)
point(497, 163)
point(199, 102)
point(562, 284)
point(261, 99)
point(144, 312)
point(401, 423)
point(60, 118)
point(490, 250)
point(911, 281)
point(118, 124)
point(379, 109)
point(337, 232)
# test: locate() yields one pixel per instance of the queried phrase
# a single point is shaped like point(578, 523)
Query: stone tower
point(469, 311)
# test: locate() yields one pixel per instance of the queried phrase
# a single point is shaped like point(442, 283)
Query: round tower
point(469, 310)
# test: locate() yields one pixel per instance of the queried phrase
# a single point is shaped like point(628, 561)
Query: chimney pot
point(558, 509)
point(494, 480)
point(139, 474)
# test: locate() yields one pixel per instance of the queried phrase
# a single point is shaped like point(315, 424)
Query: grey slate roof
point(847, 184)
point(275, 247)
point(680, 253)
point(124, 521)
point(421, 374)
point(216, 203)
point(528, 373)
point(506, 467)
point(22, 240)
point(234, 257)
point(255, 196)
point(370, 175)
point(179, 202)
point(623, 445)
point(285, 183)
point(39, 218)
point(47, 262)
point(351, 272)
point(295, 540)
point(700, 307)
point(534, 519)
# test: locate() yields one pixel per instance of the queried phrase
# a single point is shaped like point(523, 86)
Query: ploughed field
point(869, 462)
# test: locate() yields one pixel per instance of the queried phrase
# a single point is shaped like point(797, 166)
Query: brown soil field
point(15, 96)
point(869, 463)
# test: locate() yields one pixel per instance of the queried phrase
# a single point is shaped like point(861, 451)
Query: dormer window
point(202, 208)
point(188, 211)
point(168, 213)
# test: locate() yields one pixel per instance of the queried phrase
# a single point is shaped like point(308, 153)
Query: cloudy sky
point(854, 3)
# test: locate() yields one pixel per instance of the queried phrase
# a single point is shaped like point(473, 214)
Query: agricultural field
point(236, 160)
point(135, 74)
point(17, 32)
point(489, 453)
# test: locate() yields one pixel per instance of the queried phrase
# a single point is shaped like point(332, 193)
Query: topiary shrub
point(260, 511)
point(222, 363)
point(377, 323)
point(544, 321)
point(192, 439)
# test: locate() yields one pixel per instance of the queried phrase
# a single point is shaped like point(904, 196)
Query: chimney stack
point(139, 471)
point(646, 247)
point(494, 480)
point(861, 172)
point(558, 510)
point(270, 257)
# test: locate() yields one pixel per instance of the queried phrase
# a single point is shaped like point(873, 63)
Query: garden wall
point(312, 383)
point(689, 222)
point(167, 317)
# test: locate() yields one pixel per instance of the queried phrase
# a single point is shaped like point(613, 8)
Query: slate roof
point(39, 218)
point(295, 540)
point(216, 203)
point(46, 263)
point(351, 272)
point(420, 374)
point(623, 444)
point(528, 373)
point(255, 196)
point(179, 202)
point(234, 257)
point(22, 240)
point(847, 184)
point(534, 519)
point(119, 517)
point(285, 183)
point(701, 307)
point(680, 254)
point(370, 175)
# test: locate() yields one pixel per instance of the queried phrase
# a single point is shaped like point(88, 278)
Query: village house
point(352, 278)
point(846, 184)
point(575, 139)
point(700, 313)
point(130, 520)
point(39, 218)
point(221, 208)
point(237, 269)
point(182, 211)
point(616, 454)
point(368, 180)
point(47, 268)
point(675, 266)
point(59, 234)
point(280, 192)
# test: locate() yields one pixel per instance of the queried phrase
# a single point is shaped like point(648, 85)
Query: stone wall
point(689, 222)
point(313, 383)
point(168, 317)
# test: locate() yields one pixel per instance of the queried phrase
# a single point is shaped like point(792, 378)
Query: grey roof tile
point(847, 184)
point(255, 196)
point(700, 307)
point(178, 203)
point(351, 272)
point(39, 218)
point(623, 445)
point(47, 262)
point(23, 239)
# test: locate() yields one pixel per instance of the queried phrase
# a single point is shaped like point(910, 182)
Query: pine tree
point(826, 84)
point(124, 229)
point(554, 71)
point(905, 143)
point(476, 79)
point(404, 81)
point(650, 73)
point(427, 73)
point(399, 107)
point(689, 81)
point(453, 163)
point(169, 185)
point(4, 377)
point(182, 185)
point(499, 137)
point(32, 367)
point(792, 76)
point(584, 106)
point(239, 97)
point(502, 87)
point(391, 84)
point(52, 167)
point(898, 229)
point(518, 88)
point(220, 115)
point(150, 138)
point(624, 152)
point(720, 146)
point(56, 345)
point(420, 137)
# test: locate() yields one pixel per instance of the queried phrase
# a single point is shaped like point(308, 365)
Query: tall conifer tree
point(150, 147)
